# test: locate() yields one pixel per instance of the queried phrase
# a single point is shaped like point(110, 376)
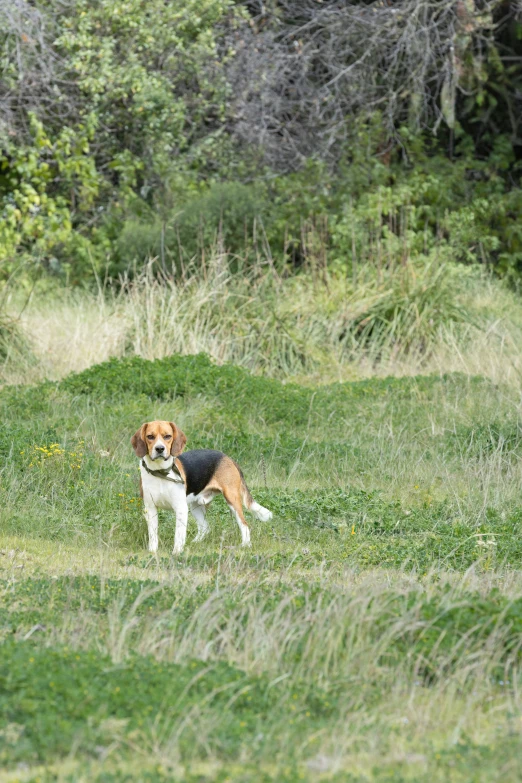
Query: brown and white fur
point(194, 479)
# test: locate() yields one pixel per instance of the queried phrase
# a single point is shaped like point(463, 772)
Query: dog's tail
point(260, 512)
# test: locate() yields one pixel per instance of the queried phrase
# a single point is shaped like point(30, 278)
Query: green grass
point(120, 683)
point(372, 632)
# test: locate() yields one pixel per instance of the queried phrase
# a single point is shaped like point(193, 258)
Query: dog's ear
point(178, 440)
point(138, 441)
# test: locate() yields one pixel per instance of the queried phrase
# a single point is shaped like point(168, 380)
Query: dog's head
point(158, 439)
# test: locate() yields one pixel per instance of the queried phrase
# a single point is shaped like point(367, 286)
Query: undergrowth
point(405, 319)
point(188, 674)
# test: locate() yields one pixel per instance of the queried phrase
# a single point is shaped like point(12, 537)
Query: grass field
point(372, 632)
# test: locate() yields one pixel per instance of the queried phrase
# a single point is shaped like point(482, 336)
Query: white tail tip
point(260, 512)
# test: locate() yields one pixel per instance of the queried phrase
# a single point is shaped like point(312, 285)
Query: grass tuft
point(409, 311)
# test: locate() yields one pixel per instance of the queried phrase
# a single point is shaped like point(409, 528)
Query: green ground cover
point(372, 632)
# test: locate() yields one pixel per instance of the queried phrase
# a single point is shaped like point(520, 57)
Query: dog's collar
point(164, 474)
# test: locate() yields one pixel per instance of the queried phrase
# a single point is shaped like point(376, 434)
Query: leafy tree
point(103, 100)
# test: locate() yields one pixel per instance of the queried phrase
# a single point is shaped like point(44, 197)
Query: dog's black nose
point(160, 449)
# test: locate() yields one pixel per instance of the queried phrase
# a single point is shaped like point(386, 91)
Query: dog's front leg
point(151, 515)
point(181, 509)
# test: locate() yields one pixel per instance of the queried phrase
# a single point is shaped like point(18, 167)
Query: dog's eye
point(150, 437)
point(167, 437)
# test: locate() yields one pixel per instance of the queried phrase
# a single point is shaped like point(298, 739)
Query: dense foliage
point(301, 130)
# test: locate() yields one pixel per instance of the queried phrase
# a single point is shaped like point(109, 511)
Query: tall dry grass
point(410, 320)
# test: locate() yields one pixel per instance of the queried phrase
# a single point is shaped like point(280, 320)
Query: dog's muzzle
point(159, 452)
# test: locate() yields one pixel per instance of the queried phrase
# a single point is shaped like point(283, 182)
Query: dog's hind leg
point(233, 497)
point(260, 512)
point(199, 514)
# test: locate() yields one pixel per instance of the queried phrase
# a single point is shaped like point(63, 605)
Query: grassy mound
point(237, 391)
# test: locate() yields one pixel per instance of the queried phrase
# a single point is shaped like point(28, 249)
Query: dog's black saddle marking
point(199, 465)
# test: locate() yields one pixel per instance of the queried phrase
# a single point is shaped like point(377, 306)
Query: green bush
point(224, 217)
point(463, 210)
point(137, 86)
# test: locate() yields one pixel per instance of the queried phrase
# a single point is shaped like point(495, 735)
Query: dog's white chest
point(162, 493)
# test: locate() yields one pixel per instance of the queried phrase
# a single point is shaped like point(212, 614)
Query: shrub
point(224, 216)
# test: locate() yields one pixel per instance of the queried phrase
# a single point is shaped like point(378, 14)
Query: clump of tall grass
point(407, 310)
point(234, 317)
point(12, 339)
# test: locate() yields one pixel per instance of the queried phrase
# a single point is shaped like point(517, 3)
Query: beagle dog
point(176, 481)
